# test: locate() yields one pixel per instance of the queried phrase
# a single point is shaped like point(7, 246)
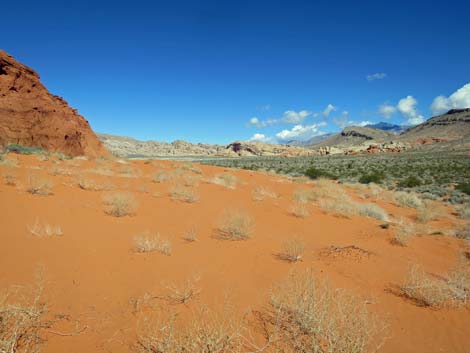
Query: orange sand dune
point(92, 275)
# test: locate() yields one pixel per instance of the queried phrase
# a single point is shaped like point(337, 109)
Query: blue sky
point(202, 70)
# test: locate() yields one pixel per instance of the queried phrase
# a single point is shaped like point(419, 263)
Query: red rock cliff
point(31, 116)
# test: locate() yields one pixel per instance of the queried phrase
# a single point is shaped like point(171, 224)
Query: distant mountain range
point(397, 129)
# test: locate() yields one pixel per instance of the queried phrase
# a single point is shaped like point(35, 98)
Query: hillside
point(354, 136)
point(31, 116)
point(454, 125)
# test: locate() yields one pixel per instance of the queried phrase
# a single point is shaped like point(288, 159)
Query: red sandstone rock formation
point(31, 116)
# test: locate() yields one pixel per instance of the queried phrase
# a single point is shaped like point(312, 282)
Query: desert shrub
point(226, 179)
point(190, 235)
point(39, 186)
point(299, 210)
point(260, 193)
point(45, 230)
point(9, 178)
point(14, 148)
point(464, 211)
point(304, 195)
point(315, 173)
point(292, 250)
point(343, 209)
point(184, 292)
point(161, 177)
point(372, 210)
point(146, 243)
point(407, 199)
point(429, 211)
point(410, 182)
point(184, 194)
point(120, 204)
point(463, 187)
point(463, 231)
point(191, 180)
point(429, 290)
point(235, 225)
point(403, 233)
point(311, 317)
point(21, 319)
point(85, 183)
point(374, 177)
point(205, 331)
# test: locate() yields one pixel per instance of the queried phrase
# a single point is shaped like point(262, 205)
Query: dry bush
point(184, 194)
point(188, 166)
point(235, 225)
point(427, 290)
point(85, 183)
point(105, 170)
point(190, 235)
point(45, 230)
point(128, 171)
point(146, 243)
point(183, 292)
point(310, 317)
point(463, 231)
point(260, 193)
point(61, 171)
point(120, 204)
point(372, 210)
point(161, 177)
point(204, 331)
point(341, 208)
point(292, 250)
point(464, 211)
point(303, 195)
point(39, 186)
point(299, 211)
point(21, 319)
point(191, 180)
point(429, 211)
point(407, 199)
point(226, 179)
point(9, 178)
point(403, 233)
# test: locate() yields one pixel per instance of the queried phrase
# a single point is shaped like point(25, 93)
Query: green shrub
point(410, 182)
point(463, 187)
point(315, 173)
point(24, 149)
point(374, 177)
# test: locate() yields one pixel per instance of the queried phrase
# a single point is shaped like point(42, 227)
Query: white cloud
point(387, 110)
point(408, 109)
point(458, 99)
point(293, 117)
point(288, 117)
point(343, 120)
point(364, 123)
point(300, 132)
point(328, 110)
point(260, 138)
point(376, 76)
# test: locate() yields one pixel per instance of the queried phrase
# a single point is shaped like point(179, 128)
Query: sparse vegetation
point(184, 292)
point(372, 210)
point(299, 211)
point(148, 243)
point(226, 179)
point(9, 178)
point(429, 211)
point(403, 233)
point(407, 199)
point(410, 182)
point(14, 148)
point(45, 230)
point(39, 185)
point(374, 177)
point(235, 225)
point(183, 194)
point(21, 319)
point(315, 173)
point(261, 193)
point(292, 250)
point(311, 317)
point(428, 290)
point(463, 187)
point(190, 235)
point(120, 204)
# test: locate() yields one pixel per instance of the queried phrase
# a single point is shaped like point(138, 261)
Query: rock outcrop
point(31, 116)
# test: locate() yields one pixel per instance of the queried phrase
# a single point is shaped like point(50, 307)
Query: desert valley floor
point(59, 219)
